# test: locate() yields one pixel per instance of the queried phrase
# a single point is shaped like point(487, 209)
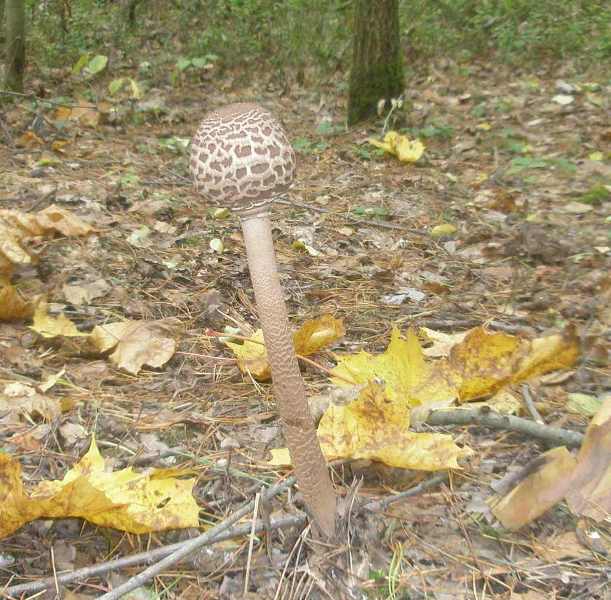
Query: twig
point(44, 101)
point(146, 557)
point(251, 544)
point(191, 546)
point(530, 405)
point(553, 436)
point(469, 323)
point(378, 505)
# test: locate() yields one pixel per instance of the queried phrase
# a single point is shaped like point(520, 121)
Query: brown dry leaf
point(136, 343)
point(16, 227)
point(585, 482)
point(590, 492)
point(538, 492)
point(55, 218)
point(374, 427)
point(19, 399)
point(86, 113)
point(85, 292)
point(312, 336)
point(12, 305)
point(29, 140)
point(125, 500)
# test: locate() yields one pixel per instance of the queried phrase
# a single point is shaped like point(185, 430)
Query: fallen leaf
point(402, 368)
point(590, 491)
point(125, 500)
point(50, 327)
point(401, 146)
point(136, 343)
point(312, 336)
point(376, 428)
point(12, 305)
point(487, 361)
point(19, 399)
point(538, 492)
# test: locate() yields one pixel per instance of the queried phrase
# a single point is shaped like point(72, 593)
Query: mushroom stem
point(298, 425)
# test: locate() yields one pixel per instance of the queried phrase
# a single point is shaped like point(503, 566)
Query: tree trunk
point(377, 69)
point(15, 45)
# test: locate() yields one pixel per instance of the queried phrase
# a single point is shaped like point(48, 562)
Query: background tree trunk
point(15, 45)
point(377, 69)
point(2, 27)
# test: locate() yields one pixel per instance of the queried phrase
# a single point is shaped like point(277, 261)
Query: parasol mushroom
point(241, 158)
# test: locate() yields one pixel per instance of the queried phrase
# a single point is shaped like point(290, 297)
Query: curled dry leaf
point(13, 306)
point(18, 400)
point(585, 481)
point(17, 227)
point(487, 361)
point(125, 500)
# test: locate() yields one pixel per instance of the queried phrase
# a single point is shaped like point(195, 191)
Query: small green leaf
point(183, 63)
point(97, 64)
point(583, 404)
point(443, 230)
point(115, 85)
point(199, 62)
point(80, 64)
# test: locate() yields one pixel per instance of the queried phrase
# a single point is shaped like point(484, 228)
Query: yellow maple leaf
point(402, 368)
point(125, 500)
point(374, 427)
point(486, 361)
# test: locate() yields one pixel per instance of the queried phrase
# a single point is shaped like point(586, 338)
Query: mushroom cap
point(241, 157)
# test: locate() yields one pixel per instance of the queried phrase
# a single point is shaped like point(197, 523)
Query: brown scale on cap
point(247, 147)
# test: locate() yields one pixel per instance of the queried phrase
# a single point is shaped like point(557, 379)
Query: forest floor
point(514, 160)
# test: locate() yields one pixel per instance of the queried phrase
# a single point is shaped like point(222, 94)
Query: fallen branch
point(485, 417)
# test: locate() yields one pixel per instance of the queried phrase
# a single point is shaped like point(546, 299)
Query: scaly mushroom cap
point(241, 157)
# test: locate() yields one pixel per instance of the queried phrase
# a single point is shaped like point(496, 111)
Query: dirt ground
point(514, 160)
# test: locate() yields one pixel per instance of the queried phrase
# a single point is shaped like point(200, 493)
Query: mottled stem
point(299, 431)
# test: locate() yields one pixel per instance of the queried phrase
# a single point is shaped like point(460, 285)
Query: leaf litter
point(477, 226)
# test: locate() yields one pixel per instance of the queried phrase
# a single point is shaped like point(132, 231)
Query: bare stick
point(488, 418)
point(530, 404)
point(384, 503)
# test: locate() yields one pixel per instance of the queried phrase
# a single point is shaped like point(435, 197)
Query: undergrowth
point(294, 34)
